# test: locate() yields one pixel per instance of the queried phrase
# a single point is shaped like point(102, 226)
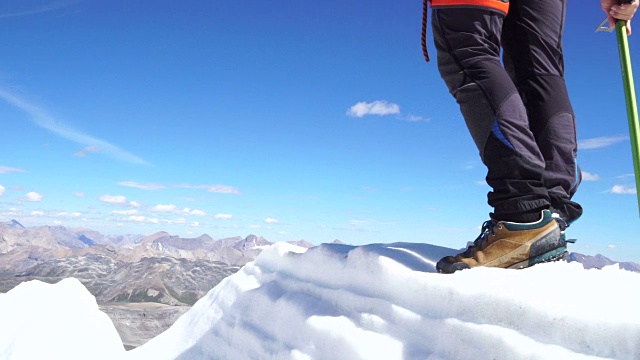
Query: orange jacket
point(500, 5)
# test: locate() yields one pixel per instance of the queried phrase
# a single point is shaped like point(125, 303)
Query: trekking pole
point(630, 95)
point(630, 98)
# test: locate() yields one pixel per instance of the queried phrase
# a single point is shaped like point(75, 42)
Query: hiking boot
point(511, 245)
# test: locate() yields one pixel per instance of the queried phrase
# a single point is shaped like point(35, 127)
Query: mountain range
point(144, 283)
point(160, 268)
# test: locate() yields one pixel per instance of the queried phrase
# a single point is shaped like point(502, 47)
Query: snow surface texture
point(374, 302)
point(62, 321)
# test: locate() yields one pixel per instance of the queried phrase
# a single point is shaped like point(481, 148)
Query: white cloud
point(79, 195)
point(587, 176)
point(622, 189)
point(124, 212)
point(176, 221)
point(600, 142)
point(33, 197)
point(164, 208)
point(118, 200)
point(113, 199)
point(195, 224)
point(143, 186)
point(137, 218)
point(223, 189)
point(9, 170)
point(37, 213)
point(378, 107)
point(39, 117)
point(194, 212)
point(223, 216)
point(2, 189)
point(65, 214)
point(170, 208)
point(415, 118)
point(271, 221)
point(611, 246)
point(217, 188)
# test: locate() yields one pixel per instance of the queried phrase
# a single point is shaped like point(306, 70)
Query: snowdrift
point(61, 321)
point(379, 301)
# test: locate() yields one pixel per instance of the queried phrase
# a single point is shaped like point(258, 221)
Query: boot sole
point(559, 254)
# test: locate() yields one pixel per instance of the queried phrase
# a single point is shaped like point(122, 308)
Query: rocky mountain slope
point(24, 247)
point(164, 280)
point(144, 283)
point(136, 323)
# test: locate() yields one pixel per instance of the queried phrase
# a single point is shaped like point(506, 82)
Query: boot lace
point(563, 226)
point(561, 222)
point(487, 230)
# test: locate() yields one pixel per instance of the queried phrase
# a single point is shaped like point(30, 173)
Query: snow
point(380, 301)
point(62, 321)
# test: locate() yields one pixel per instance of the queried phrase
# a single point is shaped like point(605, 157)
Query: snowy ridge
point(383, 301)
point(342, 302)
point(61, 321)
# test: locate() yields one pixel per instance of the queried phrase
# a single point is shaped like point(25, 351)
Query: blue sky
point(286, 119)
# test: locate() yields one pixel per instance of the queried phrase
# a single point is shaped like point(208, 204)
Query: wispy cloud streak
point(218, 188)
point(9, 170)
point(623, 190)
point(45, 121)
point(600, 142)
point(143, 186)
point(29, 9)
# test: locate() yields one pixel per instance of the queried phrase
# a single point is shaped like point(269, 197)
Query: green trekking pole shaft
point(630, 97)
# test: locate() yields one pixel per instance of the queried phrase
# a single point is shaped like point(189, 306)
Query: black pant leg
point(533, 56)
point(468, 45)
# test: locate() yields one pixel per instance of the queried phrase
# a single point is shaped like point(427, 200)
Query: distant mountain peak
point(160, 234)
point(599, 261)
point(15, 224)
point(602, 257)
point(205, 237)
point(12, 224)
point(302, 243)
point(251, 237)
